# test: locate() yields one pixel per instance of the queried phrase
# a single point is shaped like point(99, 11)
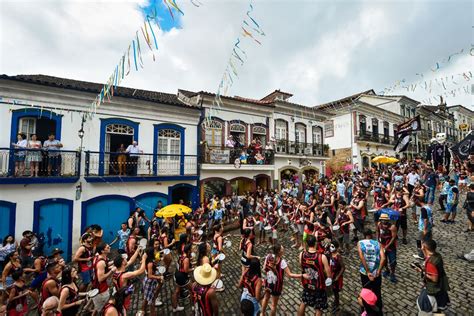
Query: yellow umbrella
point(385, 160)
point(172, 210)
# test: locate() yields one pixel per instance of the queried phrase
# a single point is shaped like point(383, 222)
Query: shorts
point(100, 300)
point(391, 257)
point(245, 261)
point(274, 234)
point(38, 280)
point(86, 276)
point(20, 158)
point(402, 222)
point(451, 208)
point(149, 287)
point(273, 291)
point(359, 225)
point(300, 228)
point(317, 299)
point(246, 296)
point(181, 278)
point(337, 285)
point(345, 238)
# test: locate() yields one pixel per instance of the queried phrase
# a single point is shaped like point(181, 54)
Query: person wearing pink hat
point(368, 302)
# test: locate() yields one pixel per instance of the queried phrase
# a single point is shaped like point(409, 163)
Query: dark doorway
point(181, 193)
point(44, 127)
point(115, 141)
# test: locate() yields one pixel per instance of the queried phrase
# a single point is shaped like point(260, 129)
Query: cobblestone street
point(399, 299)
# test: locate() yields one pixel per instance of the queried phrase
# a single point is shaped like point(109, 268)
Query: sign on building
point(329, 128)
point(219, 156)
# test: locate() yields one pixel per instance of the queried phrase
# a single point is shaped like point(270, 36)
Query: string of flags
point(250, 29)
point(132, 58)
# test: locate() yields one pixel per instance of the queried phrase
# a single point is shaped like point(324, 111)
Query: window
point(280, 129)
point(386, 129)
point(362, 124)
point(119, 129)
point(317, 135)
point(260, 133)
point(213, 132)
point(169, 143)
point(375, 127)
point(402, 110)
point(237, 130)
point(300, 133)
point(27, 126)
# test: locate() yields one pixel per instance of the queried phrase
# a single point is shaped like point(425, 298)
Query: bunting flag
point(251, 29)
point(145, 33)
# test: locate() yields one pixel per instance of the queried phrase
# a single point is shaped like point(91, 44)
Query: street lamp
point(80, 133)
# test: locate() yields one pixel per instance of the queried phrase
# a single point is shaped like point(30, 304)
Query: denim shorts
point(451, 208)
point(86, 276)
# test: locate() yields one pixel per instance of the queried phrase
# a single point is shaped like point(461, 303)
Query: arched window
point(169, 143)
point(260, 133)
point(317, 134)
point(213, 132)
point(237, 130)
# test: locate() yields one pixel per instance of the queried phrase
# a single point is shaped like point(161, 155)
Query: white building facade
point(98, 183)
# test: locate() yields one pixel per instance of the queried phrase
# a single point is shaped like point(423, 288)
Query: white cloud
point(317, 50)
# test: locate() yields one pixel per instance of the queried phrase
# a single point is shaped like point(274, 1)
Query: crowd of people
point(320, 223)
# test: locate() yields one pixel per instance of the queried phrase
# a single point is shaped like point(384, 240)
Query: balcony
point(301, 149)
point(242, 156)
point(118, 167)
point(27, 166)
point(367, 136)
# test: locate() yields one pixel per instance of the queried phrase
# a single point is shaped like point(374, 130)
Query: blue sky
point(166, 21)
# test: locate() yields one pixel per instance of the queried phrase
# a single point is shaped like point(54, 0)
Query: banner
point(465, 147)
point(402, 143)
point(409, 126)
point(219, 156)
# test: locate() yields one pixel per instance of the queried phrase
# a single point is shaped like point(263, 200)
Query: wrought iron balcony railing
point(139, 165)
point(284, 146)
point(244, 156)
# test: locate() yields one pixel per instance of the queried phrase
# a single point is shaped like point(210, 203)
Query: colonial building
point(92, 179)
point(249, 143)
point(360, 129)
point(464, 120)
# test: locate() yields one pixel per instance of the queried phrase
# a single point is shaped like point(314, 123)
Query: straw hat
point(384, 217)
point(205, 274)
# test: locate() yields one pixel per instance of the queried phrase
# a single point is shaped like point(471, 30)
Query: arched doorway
point(212, 186)
point(263, 181)
point(288, 177)
point(310, 173)
point(185, 193)
point(242, 185)
point(365, 162)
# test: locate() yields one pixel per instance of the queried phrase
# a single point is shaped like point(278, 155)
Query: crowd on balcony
point(30, 155)
point(255, 153)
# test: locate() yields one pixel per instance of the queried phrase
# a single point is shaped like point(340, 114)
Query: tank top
point(108, 306)
point(335, 264)
point(215, 245)
point(45, 293)
point(311, 263)
point(398, 203)
point(181, 263)
point(243, 247)
point(85, 265)
point(18, 305)
point(371, 252)
point(71, 298)
point(102, 286)
point(275, 274)
point(343, 218)
point(385, 235)
point(250, 283)
point(202, 304)
point(118, 284)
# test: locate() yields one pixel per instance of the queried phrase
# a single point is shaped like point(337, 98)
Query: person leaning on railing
point(34, 155)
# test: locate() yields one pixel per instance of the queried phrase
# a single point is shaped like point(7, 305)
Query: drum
point(142, 243)
point(218, 285)
point(92, 293)
point(166, 251)
point(268, 228)
point(228, 243)
point(257, 223)
point(161, 270)
point(221, 257)
point(200, 232)
point(124, 255)
point(335, 228)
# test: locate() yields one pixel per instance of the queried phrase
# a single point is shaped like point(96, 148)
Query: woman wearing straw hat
point(203, 294)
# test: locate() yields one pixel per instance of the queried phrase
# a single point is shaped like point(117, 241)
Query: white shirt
point(229, 143)
point(412, 178)
point(133, 150)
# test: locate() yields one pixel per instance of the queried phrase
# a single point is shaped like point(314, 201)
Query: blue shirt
point(371, 252)
point(445, 188)
point(431, 179)
point(123, 237)
point(426, 213)
point(450, 199)
point(218, 214)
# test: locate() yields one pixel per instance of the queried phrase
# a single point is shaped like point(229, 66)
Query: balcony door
point(300, 137)
point(281, 132)
point(237, 131)
point(375, 128)
point(116, 137)
point(362, 125)
point(213, 132)
point(317, 140)
point(169, 151)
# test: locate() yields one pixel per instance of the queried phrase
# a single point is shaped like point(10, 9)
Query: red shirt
point(23, 251)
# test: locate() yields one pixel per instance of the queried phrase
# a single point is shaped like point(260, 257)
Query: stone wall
point(339, 159)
